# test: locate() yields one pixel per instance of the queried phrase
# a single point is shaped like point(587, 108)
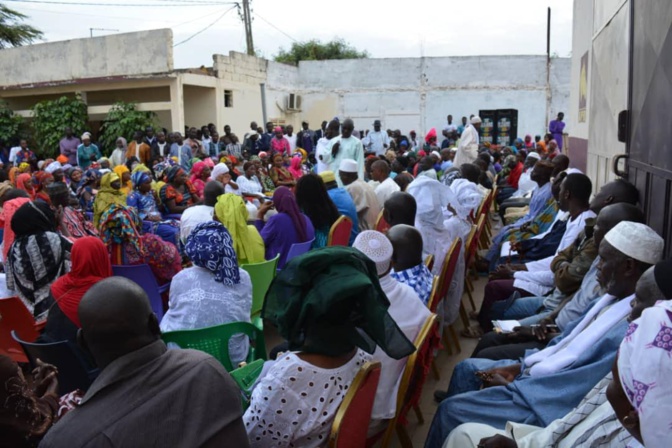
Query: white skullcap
point(218, 170)
point(40, 164)
point(377, 247)
point(86, 135)
point(637, 241)
point(467, 197)
point(53, 166)
point(534, 155)
point(348, 166)
point(252, 134)
point(453, 149)
point(436, 153)
point(476, 120)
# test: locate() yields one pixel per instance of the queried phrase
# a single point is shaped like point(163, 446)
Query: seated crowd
point(574, 325)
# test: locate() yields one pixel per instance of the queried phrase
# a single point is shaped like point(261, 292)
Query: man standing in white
point(377, 141)
point(467, 149)
point(345, 147)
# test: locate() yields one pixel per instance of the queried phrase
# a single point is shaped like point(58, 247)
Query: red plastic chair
point(15, 316)
point(381, 225)
point(354, 414)
point(339, 235)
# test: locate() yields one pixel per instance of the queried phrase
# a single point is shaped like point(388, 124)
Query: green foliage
point(50, 118)
point(13, 33)
point(122, 121)
point(10, 124)
point(315, 50)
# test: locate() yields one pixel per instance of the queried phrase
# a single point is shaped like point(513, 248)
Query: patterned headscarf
point(88, 178)
point(645, 368)
point(210, 246)
point(138, 178)
point(24, 168)
point(119, 224)
point(172, 172)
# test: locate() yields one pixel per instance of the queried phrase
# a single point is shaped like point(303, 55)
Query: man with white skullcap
point(362, 194)
point(345, 147)
point(467, 149)
point(572, 363)
point(406, 309)
point(595, 421)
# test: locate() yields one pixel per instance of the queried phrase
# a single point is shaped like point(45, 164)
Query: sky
point(411, 29)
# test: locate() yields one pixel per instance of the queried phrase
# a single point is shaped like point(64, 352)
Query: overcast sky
point(420, 27)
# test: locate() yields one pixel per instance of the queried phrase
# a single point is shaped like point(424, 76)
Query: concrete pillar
point(177, 105)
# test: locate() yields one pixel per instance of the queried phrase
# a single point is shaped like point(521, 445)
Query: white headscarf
point(53, 166)
point(218, 170)
point(645, 369)
point(431, 197)
point(467, 197)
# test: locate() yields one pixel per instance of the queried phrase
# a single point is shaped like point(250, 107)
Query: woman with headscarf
point(88, 189)
point(118, 156)
point(279, 174)
point(143, 199)
point(120, 230)
point(288, 226)
point(11, 201)
point(28, 410)
point(263, 174)
point(108, 194)
point(221, 174)
point(25, 182)
point(231, 211)
point(90, 264)
point(315, 202)
point(279, 144)
point(296, 167)
point(38, 256)
point(178, 193)
point(200, 172)
point(125, 177)
point(42, 180)
point(13, 174)
point(310, 303)
point(212, 292)
point(73, 178)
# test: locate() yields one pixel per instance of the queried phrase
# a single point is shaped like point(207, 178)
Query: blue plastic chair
point(73, 371)
point(143, 276)
point(296, 250)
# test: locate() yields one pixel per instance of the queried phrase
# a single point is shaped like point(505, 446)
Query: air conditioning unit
point(294, 102)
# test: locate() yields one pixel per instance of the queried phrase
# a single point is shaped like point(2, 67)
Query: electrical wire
point(276, 28)
point(207, 27)
point(43, 2)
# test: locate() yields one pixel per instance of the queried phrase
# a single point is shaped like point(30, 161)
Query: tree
point(50, 118)
point(315, 50)
point(13, 33)
point(123, 120)
point(10, 124)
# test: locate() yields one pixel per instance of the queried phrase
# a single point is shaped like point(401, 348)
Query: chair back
point(448, 270)
point(73, 372)
point(434, 297)
point(262, 275)
point(296, 250)
point(339, 235)
point(470, 242)
point(142, 275)
point(15, 316)
point(353, 417)
point(215, 341)
point(429, 261)
point(381, 225)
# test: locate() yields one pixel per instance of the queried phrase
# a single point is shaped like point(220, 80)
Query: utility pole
point(247, 18)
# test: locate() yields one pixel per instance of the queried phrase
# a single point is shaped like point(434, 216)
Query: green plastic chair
point(215, 341)
point(246, 377)
point(261, 274)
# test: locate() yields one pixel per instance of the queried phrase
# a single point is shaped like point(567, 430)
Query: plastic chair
point(73, 371)
point(246, 377)
point(412, 382)
point(339, 234)
point(354, 414)
point(15, 316)
point(381, 225)
point(296, 250)
point(215, 341)
point(142, 275)
point(261, 274)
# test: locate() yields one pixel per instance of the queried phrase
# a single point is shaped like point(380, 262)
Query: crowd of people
point(574, 325)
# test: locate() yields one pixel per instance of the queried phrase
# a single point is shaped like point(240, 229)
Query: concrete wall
point(418, 93)
point(127, 54)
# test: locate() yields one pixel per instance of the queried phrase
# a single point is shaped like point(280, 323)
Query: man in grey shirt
point(145, 394)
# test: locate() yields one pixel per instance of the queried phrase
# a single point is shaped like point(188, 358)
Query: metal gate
point(649, 136)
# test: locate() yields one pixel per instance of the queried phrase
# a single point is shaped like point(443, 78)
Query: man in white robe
point(364, 196)
point(346, 146)
point(380, 172)
point(467, 149)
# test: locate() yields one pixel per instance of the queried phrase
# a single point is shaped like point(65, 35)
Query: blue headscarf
point(210, 246)
point(139, 177)
point(88, 178)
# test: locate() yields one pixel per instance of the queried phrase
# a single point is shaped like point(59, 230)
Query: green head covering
point(329, 300)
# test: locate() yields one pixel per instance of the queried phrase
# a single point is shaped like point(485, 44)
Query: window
point(228, 98)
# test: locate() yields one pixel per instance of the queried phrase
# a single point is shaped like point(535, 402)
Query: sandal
point(473, 332)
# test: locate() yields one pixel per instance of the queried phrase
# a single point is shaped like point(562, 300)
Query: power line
point(211, 3)
point(207, 27)
point(277, 29)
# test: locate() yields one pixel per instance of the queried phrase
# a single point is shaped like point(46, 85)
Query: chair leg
point(471, 300)
point(418, 414)
point(464, 316)
point(404, 438)
point(389, 433)
point(453, 335)
point(446, 344)
point(435, 371)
